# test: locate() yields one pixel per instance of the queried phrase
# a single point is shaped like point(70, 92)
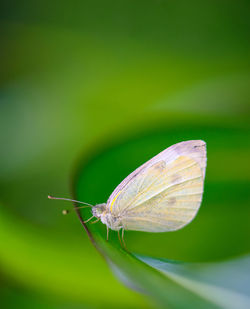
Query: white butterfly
point(164, 194)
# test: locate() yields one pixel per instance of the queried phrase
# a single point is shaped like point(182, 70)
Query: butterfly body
point(164, 194)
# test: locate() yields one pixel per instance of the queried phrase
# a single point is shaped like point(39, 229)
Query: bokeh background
point(105, 86)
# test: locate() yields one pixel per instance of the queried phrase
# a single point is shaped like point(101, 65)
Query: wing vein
point(148, 188)
point(159, 193)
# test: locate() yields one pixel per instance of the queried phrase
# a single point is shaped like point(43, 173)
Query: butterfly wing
point(169, 202)
point(195, 149)
point(165, 193)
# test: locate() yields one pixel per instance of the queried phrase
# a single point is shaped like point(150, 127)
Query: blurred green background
point(103, 86)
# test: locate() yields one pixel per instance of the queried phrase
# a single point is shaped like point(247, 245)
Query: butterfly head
point(98, 210)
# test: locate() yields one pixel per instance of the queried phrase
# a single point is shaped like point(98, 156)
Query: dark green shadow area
point(220, 231)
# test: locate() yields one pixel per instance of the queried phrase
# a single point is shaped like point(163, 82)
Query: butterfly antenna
point(68, 199)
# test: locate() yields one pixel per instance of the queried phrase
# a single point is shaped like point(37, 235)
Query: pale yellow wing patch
point(151, 182)
point(168, 211)
point(160, 176)
point(163, 198)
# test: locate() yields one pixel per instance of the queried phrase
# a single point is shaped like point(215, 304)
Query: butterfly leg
point(124, 245)
point(120, 238)
point(89, 219)
point(95, 221)
point(107, 233)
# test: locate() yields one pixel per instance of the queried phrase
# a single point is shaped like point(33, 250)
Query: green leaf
point(169, 283)
point(225, 284)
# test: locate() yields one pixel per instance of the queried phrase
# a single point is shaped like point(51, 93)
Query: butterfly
point(164, 194)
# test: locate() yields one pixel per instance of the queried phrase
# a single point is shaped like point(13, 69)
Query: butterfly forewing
point(195, 149)
point(165, 193)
